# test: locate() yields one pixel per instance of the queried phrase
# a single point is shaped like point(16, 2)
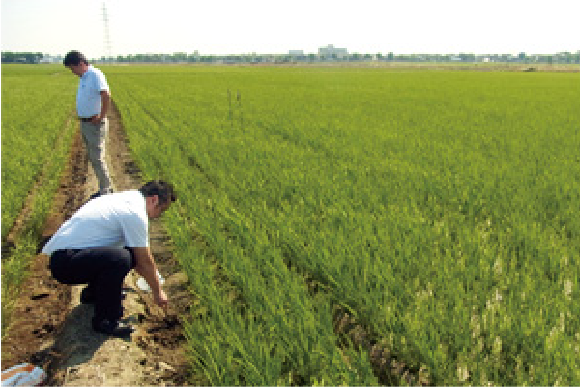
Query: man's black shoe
point(95, 195)
point(98, 193)
point(87, 296)
point(113, 328)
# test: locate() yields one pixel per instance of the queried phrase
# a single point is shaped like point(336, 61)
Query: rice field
point(440, 209)
point(37, 103)
point(368, 226)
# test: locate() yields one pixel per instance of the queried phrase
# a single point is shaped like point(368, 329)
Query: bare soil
point(52, 329)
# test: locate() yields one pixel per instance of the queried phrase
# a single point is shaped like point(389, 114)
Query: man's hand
point(160, 298)
point(97, 119)
point(145, 266)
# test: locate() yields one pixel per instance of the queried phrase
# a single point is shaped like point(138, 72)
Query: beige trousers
point(95, 137)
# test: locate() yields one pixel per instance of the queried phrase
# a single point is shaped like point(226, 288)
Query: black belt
point(86, 119)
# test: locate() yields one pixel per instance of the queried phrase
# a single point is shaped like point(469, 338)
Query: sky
point(221, 27)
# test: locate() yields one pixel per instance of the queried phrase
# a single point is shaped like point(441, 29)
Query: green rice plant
point(36, 136)
point(36, 102)
point(439, 208)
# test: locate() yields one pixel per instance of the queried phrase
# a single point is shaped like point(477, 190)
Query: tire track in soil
point(52, 328)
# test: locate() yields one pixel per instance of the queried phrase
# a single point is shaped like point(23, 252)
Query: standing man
point(93, 100)
point(102, 242)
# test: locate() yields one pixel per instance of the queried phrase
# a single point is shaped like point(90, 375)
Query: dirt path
point(52, 328)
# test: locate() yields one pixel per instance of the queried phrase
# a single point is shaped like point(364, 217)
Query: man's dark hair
point(160, 188)
point(74, 58)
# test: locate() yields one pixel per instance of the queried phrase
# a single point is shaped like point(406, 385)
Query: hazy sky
point(271, 26)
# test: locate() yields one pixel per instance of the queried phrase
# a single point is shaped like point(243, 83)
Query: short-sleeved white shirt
point(118, 219)
point(91, 84)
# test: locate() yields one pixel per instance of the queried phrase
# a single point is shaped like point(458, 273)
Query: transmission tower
point(107, 39)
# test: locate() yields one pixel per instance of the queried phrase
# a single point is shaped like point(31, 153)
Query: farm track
point(52, 329)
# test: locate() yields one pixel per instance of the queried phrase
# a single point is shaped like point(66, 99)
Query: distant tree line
point(182, 57)
point(21, 57)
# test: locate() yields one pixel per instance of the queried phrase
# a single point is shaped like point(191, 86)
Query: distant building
point(330, 51)
point(296, 52)
point(51, 59)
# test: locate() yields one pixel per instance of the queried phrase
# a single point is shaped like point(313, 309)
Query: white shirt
point(89, 92)
point(118, 219)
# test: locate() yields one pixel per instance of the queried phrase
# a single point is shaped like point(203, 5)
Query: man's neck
point(84, 69)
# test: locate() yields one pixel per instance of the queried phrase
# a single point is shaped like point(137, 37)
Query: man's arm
point(105, 102)
point(145, 266)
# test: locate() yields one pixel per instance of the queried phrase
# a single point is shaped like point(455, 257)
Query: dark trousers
point(103, 268)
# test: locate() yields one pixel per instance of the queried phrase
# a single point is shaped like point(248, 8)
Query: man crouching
point(106, 238)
